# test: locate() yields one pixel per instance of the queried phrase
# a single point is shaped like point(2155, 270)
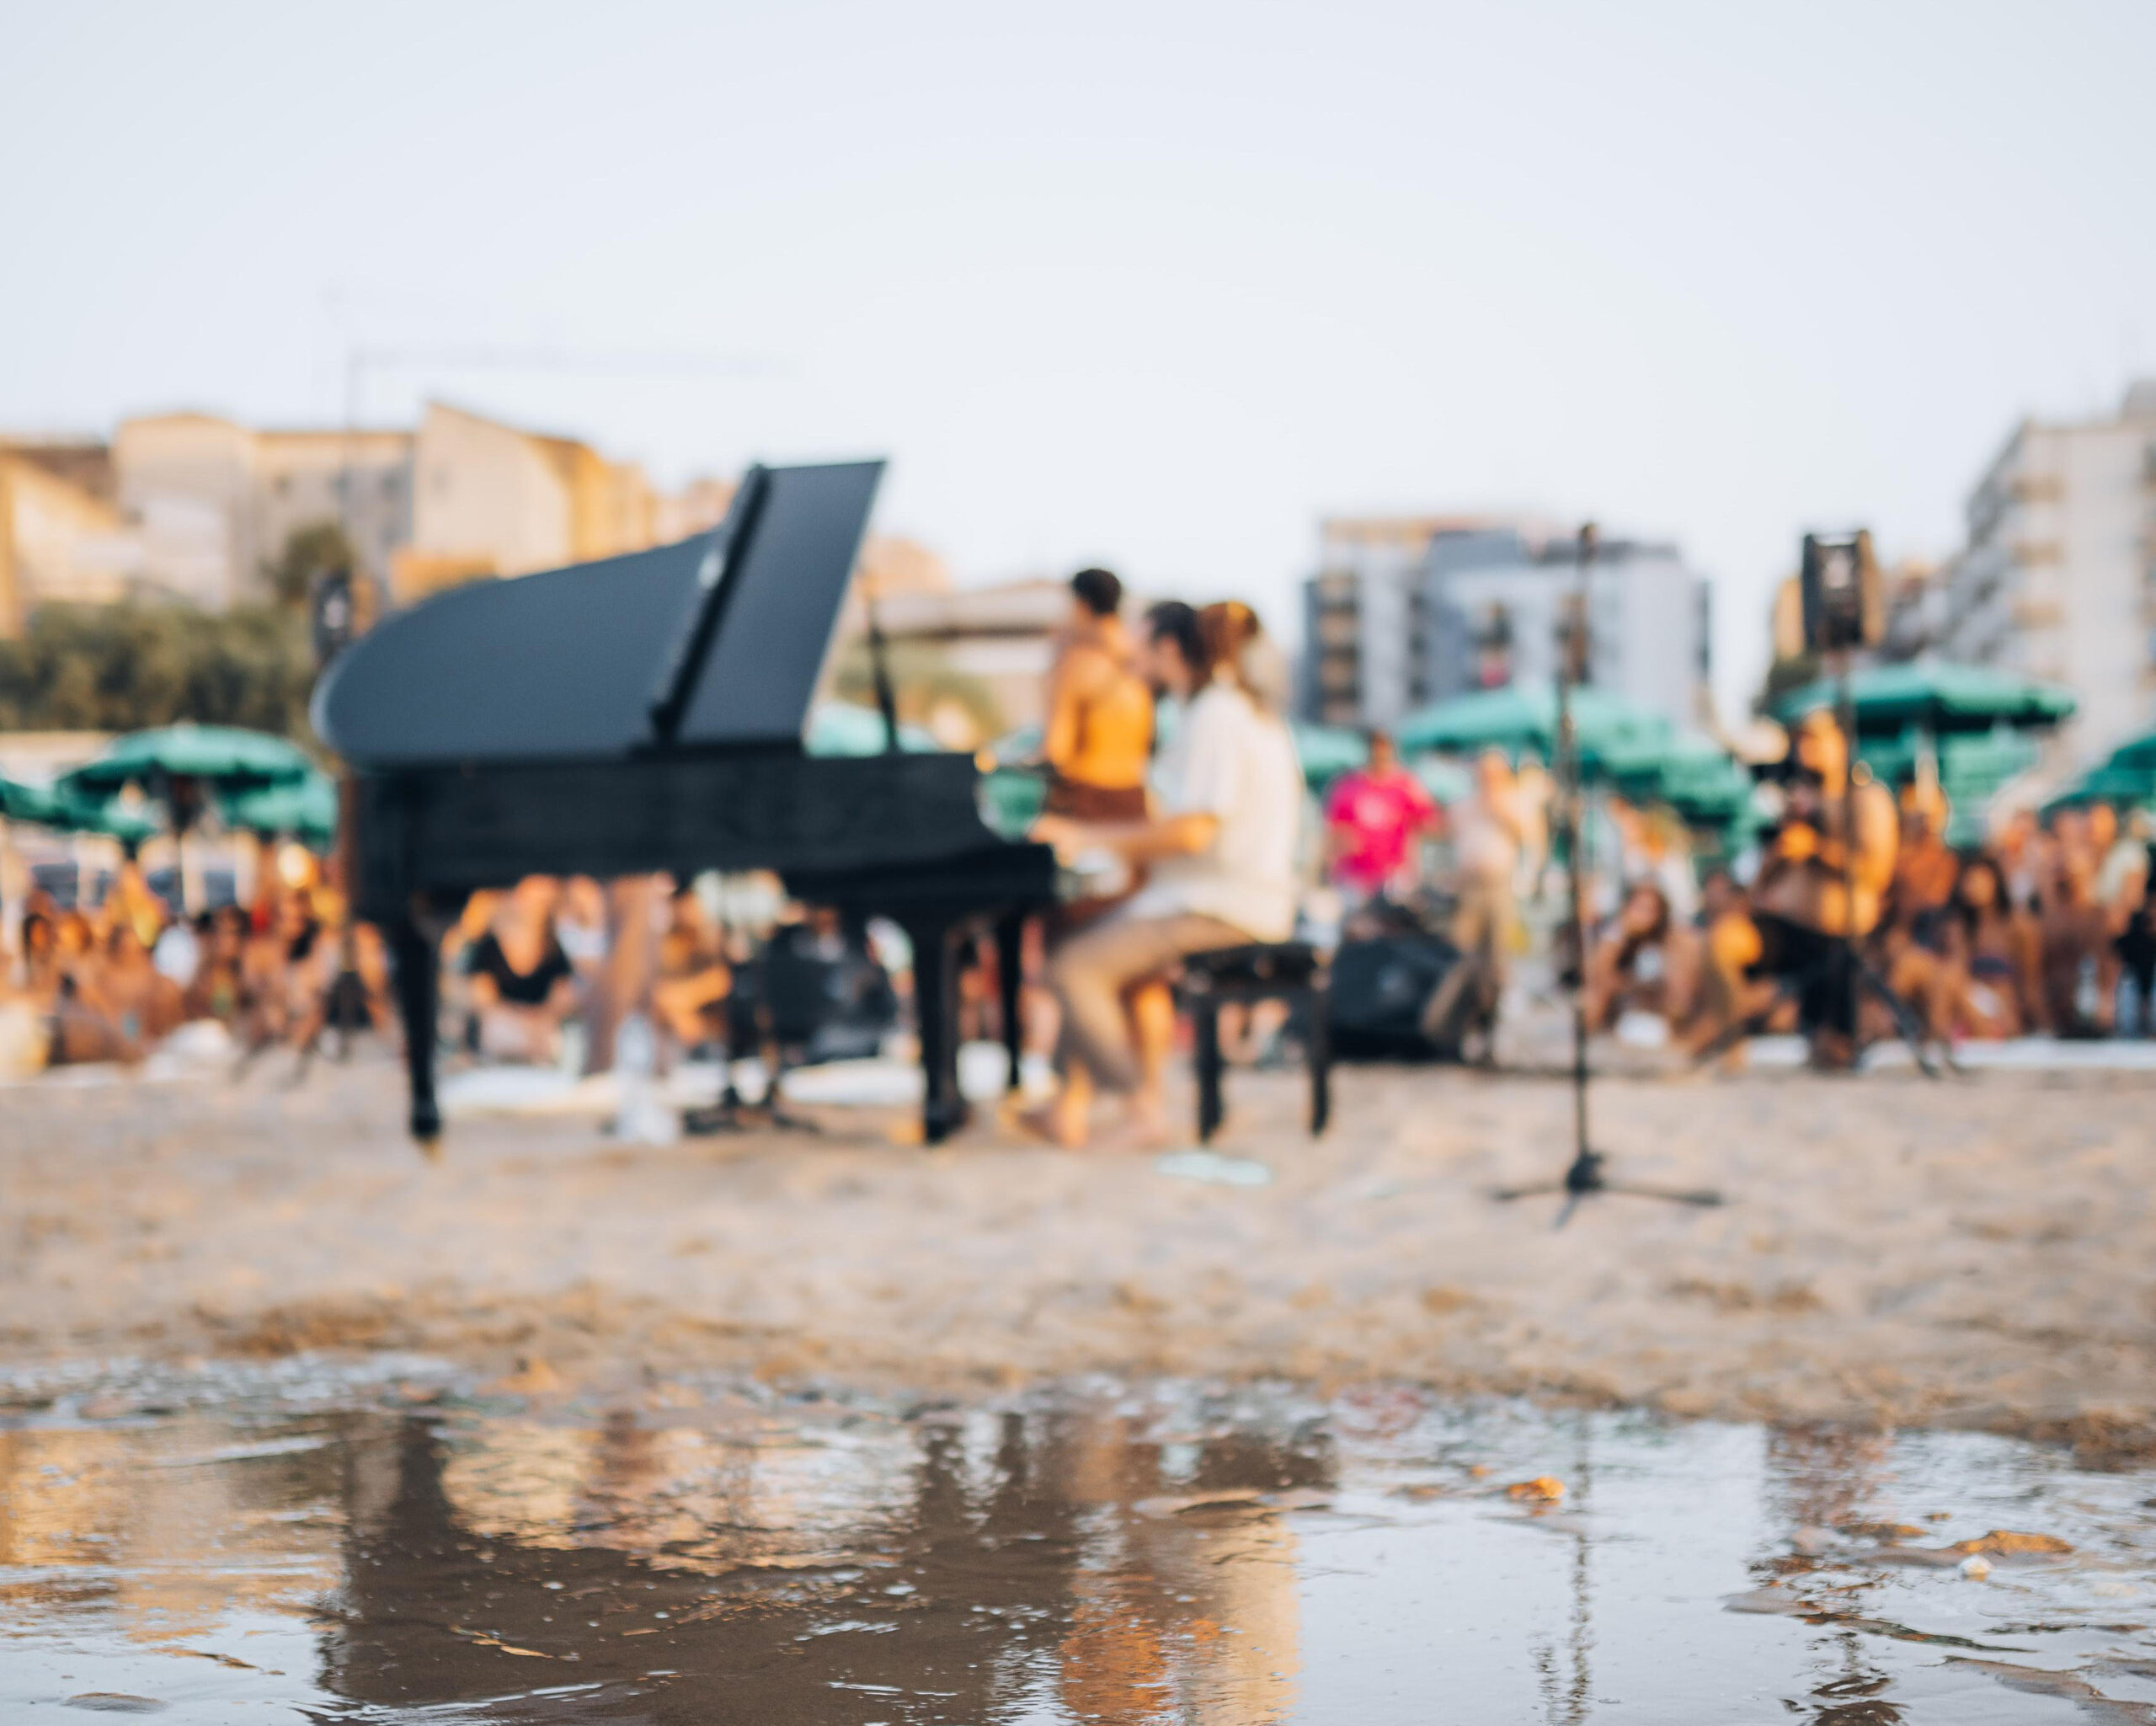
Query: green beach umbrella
point(1523, 717)
point(2140, 752)
point(304, 809)
point(2125, 783)
point(223, 756)
point(67, 811)
point(1935, 696)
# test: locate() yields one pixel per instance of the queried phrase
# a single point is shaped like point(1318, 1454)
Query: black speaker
point(1380, 986)
point(1844, 600)
point(820, 997)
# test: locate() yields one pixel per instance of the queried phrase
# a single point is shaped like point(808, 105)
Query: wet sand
point(277, 1544)
point(1972, 1254)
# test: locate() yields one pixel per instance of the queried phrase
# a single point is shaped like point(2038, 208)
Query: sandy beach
point(1970, 1253)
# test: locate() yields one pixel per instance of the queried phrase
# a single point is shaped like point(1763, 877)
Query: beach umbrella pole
point(1586, 1175)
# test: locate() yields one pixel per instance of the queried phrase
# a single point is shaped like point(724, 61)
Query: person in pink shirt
point(1373, 818)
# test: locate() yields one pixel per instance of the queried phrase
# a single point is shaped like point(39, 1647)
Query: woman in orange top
point(1099, 738)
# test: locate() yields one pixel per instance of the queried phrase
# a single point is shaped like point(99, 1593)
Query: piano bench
point(1292, 971)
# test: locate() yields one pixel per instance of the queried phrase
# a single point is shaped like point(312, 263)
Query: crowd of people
point(108, 981)
point(1174, 793)
point(1861, 921)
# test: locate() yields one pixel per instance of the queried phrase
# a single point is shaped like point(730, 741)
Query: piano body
point(645, 713)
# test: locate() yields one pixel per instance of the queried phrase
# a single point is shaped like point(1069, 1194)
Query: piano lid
point(564, 665)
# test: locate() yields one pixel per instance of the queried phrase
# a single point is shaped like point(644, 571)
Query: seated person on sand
point(523, 988)
point(2078, 966)
point(1911, 947)
point(1221, 859)
point(315, 976)
point(1993, 948)
point(278, 966)
point(84, 1027)
point(143, 1002)
point(1821, 884)
point(694, 979)
point(1730, 990)
point(215, 990)
point(1645, 961)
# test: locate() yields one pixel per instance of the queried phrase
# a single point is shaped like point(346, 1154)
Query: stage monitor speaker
point(1844, 600)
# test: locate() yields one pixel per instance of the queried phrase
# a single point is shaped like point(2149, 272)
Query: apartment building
point(192, 507)
point(1408, 611)
point(1363, 658)
point(2057, 577)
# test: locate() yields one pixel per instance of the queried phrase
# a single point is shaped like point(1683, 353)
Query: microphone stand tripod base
point(1585, 1178)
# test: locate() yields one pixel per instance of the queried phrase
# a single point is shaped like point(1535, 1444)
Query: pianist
point(1219, 859)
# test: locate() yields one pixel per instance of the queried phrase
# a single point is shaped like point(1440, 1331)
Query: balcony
point(1338, 630)
point(1339, 675)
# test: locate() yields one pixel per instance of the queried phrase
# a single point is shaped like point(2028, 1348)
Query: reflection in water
point(1162, 1553)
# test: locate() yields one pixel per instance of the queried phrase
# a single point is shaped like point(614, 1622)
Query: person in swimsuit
point(1993, 952)
point(1646, 960)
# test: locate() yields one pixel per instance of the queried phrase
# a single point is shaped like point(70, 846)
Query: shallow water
point(228, 1548)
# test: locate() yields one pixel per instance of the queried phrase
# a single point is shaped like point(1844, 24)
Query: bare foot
point(1056, 1124)
point(1130, 1135)
point(1144, 1127)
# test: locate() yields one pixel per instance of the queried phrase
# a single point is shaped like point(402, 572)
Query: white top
point(1238, 765)
point(1483, 840)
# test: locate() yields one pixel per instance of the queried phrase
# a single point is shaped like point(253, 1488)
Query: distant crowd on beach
point(107, 978)
point(2048, 928)
point(1173, 793)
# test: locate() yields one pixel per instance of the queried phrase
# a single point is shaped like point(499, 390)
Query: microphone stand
point(879, 669)
point(1584, 1176)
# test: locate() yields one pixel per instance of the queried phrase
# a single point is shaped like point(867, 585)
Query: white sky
point(1154, 284)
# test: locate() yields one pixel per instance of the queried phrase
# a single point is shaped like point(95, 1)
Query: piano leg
point(935, 1009)
point(413, 955)
point(1010, 978)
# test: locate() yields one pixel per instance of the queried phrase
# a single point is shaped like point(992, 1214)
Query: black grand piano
point(645, 713)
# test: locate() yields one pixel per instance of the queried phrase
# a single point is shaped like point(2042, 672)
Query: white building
point(1494, 601)
point(2058, 578)
point(212, 502)
point(1408, 611)
point(1362, 661)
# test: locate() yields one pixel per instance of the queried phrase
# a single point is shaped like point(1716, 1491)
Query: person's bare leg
point(1070, 1119)
point(1727, 994)
point(1153, 1027)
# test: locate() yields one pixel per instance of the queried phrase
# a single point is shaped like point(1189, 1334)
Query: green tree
point(125, 667)
point(308, 552)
